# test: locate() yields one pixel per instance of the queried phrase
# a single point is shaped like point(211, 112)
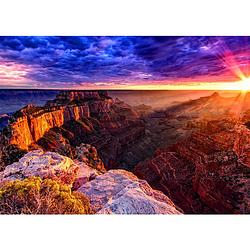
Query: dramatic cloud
point(121, 61)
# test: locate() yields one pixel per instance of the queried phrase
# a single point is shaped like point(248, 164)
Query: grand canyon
point(124, 125)
point(186, 157)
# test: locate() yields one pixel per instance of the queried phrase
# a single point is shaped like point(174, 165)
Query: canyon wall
point(207, 173)
point(29, 128)
point(72, 118)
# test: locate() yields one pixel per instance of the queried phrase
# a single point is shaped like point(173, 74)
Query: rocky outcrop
point(31, 123)
point(121, 192)
point(86, 167)
point(96, 101)
point(72, 118)
point(88, 154)
point(113, 192)
point(89, 163)
point(41, 164)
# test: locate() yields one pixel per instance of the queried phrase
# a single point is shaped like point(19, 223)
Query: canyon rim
point(124, 125)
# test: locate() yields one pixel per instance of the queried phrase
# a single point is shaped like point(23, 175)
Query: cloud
point(72, 61)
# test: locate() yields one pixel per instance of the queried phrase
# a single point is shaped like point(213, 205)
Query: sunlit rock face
point(31, 123)
point(121, 192)
point(207, 173)
point(72, 118)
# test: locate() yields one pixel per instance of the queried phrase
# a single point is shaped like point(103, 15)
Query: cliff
point(205, 173)
point(74, 117)
point(30, 123)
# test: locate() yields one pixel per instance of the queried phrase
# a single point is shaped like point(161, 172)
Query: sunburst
point(245, 84)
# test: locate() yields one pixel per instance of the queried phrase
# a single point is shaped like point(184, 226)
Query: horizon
point(99, 89)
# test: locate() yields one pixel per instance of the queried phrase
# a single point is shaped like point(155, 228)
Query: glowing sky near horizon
point(124, 62)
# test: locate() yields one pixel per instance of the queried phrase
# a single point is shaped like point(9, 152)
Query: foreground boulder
point(57, 167)
point(121, 192)
point(42, 164)
point(113, 192)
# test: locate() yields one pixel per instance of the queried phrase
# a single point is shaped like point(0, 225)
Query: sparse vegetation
point(36, 196)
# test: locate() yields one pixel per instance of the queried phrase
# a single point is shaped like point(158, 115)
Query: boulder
point(42, 164)
point(121, 192)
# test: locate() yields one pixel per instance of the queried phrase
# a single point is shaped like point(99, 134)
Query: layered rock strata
point(207, 173)
point(72, 118)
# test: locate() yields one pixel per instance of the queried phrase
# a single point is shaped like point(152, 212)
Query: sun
point(245, 84)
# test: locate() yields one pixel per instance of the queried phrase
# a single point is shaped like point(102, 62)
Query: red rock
point(75, 117)
point(208, 172)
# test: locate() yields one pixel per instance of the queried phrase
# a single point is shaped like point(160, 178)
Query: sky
point(124, 62)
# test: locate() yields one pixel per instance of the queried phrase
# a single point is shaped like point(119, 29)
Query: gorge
point(190, 157)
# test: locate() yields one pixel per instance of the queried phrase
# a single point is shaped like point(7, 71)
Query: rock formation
point(45, 165)
point(113, 192)
point(121, 192)
point(88, 154)
point(207, 173)
point(52, 165)
point(197, 152)
point(72, 118)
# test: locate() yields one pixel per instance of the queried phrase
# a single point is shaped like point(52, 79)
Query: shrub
point(36, 196)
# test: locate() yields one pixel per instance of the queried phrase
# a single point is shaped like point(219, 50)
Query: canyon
point(209, 170)
point(192, 157)
point(71, 118)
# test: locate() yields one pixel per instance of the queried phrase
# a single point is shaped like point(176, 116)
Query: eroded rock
point(42, 164)
point(121, 192)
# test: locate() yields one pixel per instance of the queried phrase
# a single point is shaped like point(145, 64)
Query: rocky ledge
point(57, 167)
point(111, 192)
point(121, 192)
